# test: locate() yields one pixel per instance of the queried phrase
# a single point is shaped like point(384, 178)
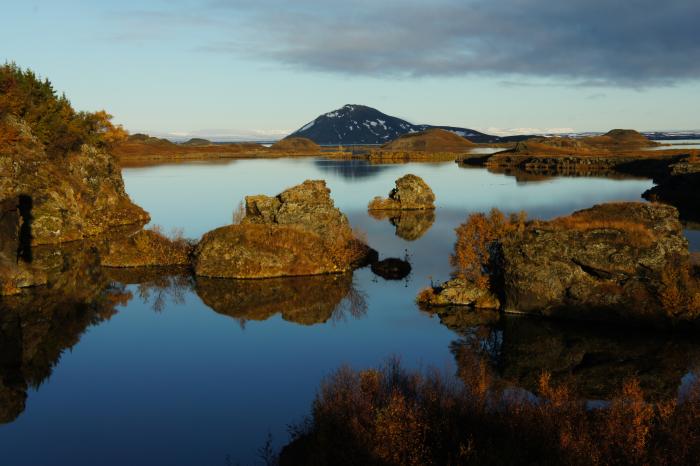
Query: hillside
point(431, 140)
point(620, 137)
point(295, 144)
point(359, 124)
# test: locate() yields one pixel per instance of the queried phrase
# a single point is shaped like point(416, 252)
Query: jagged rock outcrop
point(410, 193)
point(64, 198)
point(618, 261)
point(298, 232)
point(626, 262)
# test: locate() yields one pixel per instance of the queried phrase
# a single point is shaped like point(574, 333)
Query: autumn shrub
point(476, 251)
point(52, 119)
point(391, 416)
point(680, 289)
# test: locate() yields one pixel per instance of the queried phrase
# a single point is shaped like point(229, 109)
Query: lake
point(183, 374)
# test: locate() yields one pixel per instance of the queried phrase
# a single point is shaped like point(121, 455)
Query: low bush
point(391, 416)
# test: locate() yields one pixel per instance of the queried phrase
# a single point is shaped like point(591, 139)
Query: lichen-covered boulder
point(410, 193)
point(298, 232)
point(612, 261)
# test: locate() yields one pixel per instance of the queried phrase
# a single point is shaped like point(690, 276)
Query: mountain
point(359, 124)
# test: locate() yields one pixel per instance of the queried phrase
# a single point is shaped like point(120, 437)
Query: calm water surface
point(188, 375)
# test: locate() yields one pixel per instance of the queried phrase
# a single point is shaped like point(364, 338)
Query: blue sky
point(263, 68)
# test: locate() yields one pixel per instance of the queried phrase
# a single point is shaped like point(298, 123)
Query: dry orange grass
point(381, 203)
point(635, 233)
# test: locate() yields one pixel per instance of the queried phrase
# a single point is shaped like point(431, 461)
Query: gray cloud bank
point(586, 42)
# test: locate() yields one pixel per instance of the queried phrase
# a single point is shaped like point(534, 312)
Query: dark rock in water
point(302, 300)
point(68, 198)
point(392, 268)
point(410, 224)
point(298, 232)
point(410, 193)
point(681, 191)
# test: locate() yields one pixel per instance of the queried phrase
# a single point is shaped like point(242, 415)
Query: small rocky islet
point(558, 268)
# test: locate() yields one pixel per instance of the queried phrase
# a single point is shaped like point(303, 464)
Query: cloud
point(224, 134)
point(516, 131)
point(592, 43)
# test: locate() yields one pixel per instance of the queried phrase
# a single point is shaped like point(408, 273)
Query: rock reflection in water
point(37, 325)
point(410, 224)
point(302, 300)
point(593, 360)
point(155, 285)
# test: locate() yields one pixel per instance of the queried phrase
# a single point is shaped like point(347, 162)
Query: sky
point(264, 68)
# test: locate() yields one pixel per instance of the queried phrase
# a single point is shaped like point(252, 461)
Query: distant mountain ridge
point(359, 124)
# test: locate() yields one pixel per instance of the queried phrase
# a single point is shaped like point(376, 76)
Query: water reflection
point(410, 224)
point(302, 300)
point(155, 285)
point(350, 169)
point(593, 360)
point(39, 324)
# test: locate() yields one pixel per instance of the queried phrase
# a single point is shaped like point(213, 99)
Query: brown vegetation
point(143, 146)
point(296, 145)
point(148, 248)
point(392, 416)
point(52, 120)
point(432, 140)
point(476, 252)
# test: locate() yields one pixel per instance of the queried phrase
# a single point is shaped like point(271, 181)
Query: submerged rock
point(298, 232)
point(410, 193)
point(392, 268)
